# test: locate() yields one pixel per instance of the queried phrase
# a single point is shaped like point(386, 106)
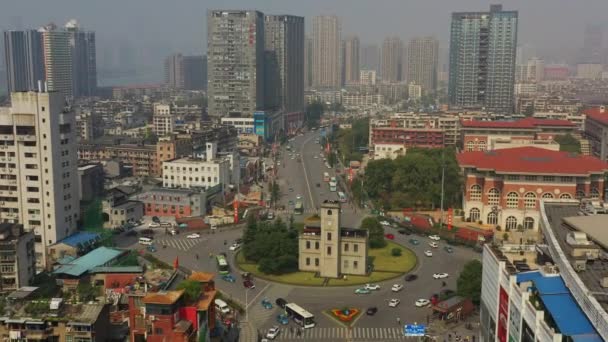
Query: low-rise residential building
point(17, 258)
point(414, 91)
point(449, 123)
point(407, 137)
point(480, 135)
point(505, 187)
point(242, 125)
point(388, 151)
point(205, 173)
point(162, 119)
point(367, 77)
point(576, 118)
point(362, 100)
point(173, 202)
point(71, 272)
point(330, 249)
point(73, 246)
point(59, 321)
point(90, 181)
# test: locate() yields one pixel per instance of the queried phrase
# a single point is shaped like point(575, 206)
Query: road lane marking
point(256, 296)
point(312, 202)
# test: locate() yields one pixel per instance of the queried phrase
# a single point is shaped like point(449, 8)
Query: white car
point(193, 236)
point(433, 244)
point(273, 332)
point(372, 287)
point(440, 275)
point(385, 223)
point(428, 253)
point(235, 246)
point(422, 302)
point(299, 197)
point(393, 302)
point(153, 225)
point(397, 287)
point(316, 156)
point(435, 237)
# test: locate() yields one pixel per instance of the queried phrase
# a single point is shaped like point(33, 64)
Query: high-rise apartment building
point(284, 51)
point(57, 59)
point(38, 165)
point(326, 52)
point(235, 57)
point(482, 59)
point(308, 49)
point(186, 72)
point(391, 60)
point(84, 60)
point(370, 57)
point(351, 60)
point(423, 61)
point(23, 56)
point(593, 42)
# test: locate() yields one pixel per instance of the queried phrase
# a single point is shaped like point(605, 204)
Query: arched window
point(547, 195)
point(493, 197)
point(579, 194)
point(565, 196)
point(595, 193)
point(475, 193)
point(530, 200)
point(474, 214)
point(511, 223)
point(470, 146)
point(528, 223)
point(492, 218)
point(481, 146)
point(512, 200)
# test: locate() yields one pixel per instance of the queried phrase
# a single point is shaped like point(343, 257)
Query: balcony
point(26, 138)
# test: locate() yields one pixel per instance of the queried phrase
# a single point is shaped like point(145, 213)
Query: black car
point(402, 231)
point(155, 219)
point(371, 311)
point(131, 233)
point(281, 303)
point(318, 185)
point(411, 277)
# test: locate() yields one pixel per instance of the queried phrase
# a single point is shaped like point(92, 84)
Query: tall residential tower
point(423, 63)
point(391, 60)
point(24, 59)
point(84, 60)
point(351, 60)
point(482, 59)
point(235, 57)
point(326, 52)
point(284, 49)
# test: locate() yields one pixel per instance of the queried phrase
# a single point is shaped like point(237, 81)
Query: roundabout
point(385, 266)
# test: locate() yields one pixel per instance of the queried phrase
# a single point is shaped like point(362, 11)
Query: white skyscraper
point(38, 167)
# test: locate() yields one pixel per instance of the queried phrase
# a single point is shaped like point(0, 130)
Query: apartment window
point(530, 200)
point(328, 250)
point(355, 264)
point(328, 236)
point(355, 248)
point(512, 177)
point(345, 263)
point(346, 247)
point(307, 261)
point(31, 166)
point(307, 244)
point(493, 196)
point(567, 179)
point(316, 245)
point(316, 261)
point(158, 331)
point(475, 193)
point(32, 189)
point(512, 200)
point(548, 178)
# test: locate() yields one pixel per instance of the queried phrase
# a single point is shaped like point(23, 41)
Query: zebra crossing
point(338, 334)
point(183, 244)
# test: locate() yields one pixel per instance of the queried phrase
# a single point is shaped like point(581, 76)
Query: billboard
point(503, 315)
point(260, 124)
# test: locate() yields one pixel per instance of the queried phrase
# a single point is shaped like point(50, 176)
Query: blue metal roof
point(80, 239)
point(97, 257)
point(559, 302)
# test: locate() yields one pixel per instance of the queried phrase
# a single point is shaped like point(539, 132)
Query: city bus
point(342, 197)
point(326, 177)
point(300, 316)
point(222, 264)
point(333, 186)
point(299, 208)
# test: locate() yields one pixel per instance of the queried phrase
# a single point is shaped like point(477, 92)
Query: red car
point(390, 236)
point(249, 284)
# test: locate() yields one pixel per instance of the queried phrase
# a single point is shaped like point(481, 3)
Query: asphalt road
point(303, 177)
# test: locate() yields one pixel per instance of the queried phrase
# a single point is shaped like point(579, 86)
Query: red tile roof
point(532, 160)
point(599, 114)
point(527, 123)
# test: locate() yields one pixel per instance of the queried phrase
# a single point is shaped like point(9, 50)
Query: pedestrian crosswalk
point(183, 244)
point(338, 334)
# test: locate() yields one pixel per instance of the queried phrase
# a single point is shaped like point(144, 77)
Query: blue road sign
point(414, 330)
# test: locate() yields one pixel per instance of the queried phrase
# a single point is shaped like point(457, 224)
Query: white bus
point(333, 187)
point(145, 241)
point(300, 316)
point(342, 197)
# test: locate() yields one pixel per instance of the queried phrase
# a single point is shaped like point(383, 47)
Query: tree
point(568, 143)
point(192, 290)
point(468, 284)
point(313, 114)
point(86, 292)
point(275, 192)
point(396, 252)
point(375, 232)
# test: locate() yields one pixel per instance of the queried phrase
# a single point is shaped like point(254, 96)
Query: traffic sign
point(414, 330)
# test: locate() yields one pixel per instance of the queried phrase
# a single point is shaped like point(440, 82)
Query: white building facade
point(38, 168)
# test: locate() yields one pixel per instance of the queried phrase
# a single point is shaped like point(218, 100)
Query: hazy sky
point(155, 28)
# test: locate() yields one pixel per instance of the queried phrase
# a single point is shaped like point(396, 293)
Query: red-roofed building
point(503, 187)
point(491, 135)
point(596, 131)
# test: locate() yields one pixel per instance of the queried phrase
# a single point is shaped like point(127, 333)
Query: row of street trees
point(414, 180)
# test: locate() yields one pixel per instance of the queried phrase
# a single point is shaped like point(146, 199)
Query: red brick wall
point(121, 278)
point(149, 210)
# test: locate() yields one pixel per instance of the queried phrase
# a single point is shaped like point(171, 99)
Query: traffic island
point(344, 316)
